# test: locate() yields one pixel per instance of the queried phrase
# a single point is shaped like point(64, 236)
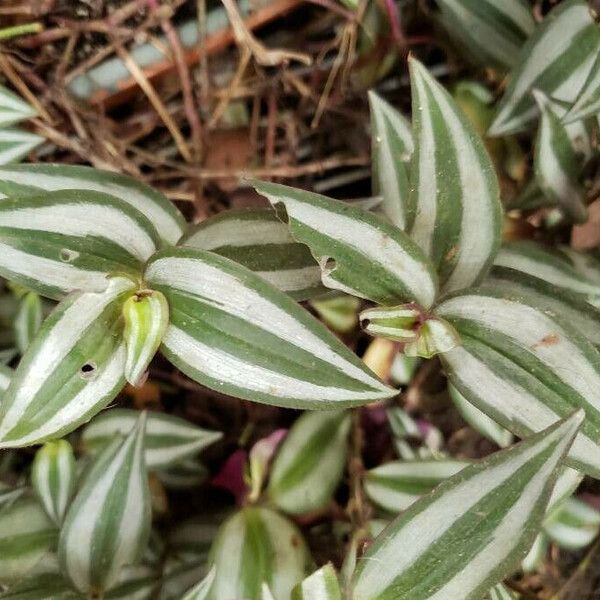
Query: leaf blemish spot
point(88, 370)
point(67, 255)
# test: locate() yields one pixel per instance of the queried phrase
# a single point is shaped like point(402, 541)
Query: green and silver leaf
point(548, 265)
point(567, 41)
point(321, 585)
point(53, 476)
point(27, 535)
point(394, 486)
point(202, 589)
point(19, 181)
point(71, 240)
point(28, 320)
point(557, 166)
point(588, 102)
point(429, 552)
point(233, 332)
point(255, 546)
point(108, 523)
point(573, 525)
point(309, 464)
point(73, 368)
point(479, 421)
point(452, 180)
point(146, 316)
point(391, 151)
point(525, 366)
point(359, 253)
point(13, 108)
point(42, 586)
point(16, 143)
point(257, 239)
point(168, 440)
point(491, 32)
point(572, 306)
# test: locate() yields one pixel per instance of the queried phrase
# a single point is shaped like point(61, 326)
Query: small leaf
point(339, 312)
point(435, 336)
point(27, 535)
point(71, 240)
point(491, 32)
point(479, 421)
point(394, 486)
point(256, 546)
point(398, 323)
point(588, 101)
point(168, 439)
point(452, 180)
point(547, 264)
point(500, 592)
point(359, 253)
point(321, 585)
point(108, 523)
point(556, 164)
point(391, 150)
point(188, 474)
point(202, 589)
point(310, 462)
point(566, 42)
point(16, 144)
point(524, 366)
point(233, 332)
point(258, 240)
point(146, 316)
point(13, 108)
point(574, 525)
point(53, 477)
point(19, 181)
point(28, 320)
point(72, 370)
point(429, 552)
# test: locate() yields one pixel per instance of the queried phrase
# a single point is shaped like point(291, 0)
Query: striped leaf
point(391, 151)
point(321, 585)
point(169, 440)
point(525, 367)
point(42, 586)
point(257, 239)
point(146, 316)
point(9, 494)
point(202, 589)
point(32, 179)
point(53, 477)
point(13, 108)
point(137, 582)
point(557, 166)
point(70, 240)
point(233, 332)
point(72, 370)
point(429, 552)
point(407, 433)
point(500, 592)
point(571, 306)
point(359, 253)
point(309, 464)
point(565, 43)
point(585, 263)
point(255, 546)
point(108, 523)
point(491, 32)
point(26, 537)
point(479, 421)
point(574, 525)
point(588, 101)
point(188, 474)
point(6, 375)
point(452, 180)
point(15, 144)
point(28, 320)
point(549, 265)
point(394, 486)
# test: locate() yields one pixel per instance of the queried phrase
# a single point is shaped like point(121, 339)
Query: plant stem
point(10, 32)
